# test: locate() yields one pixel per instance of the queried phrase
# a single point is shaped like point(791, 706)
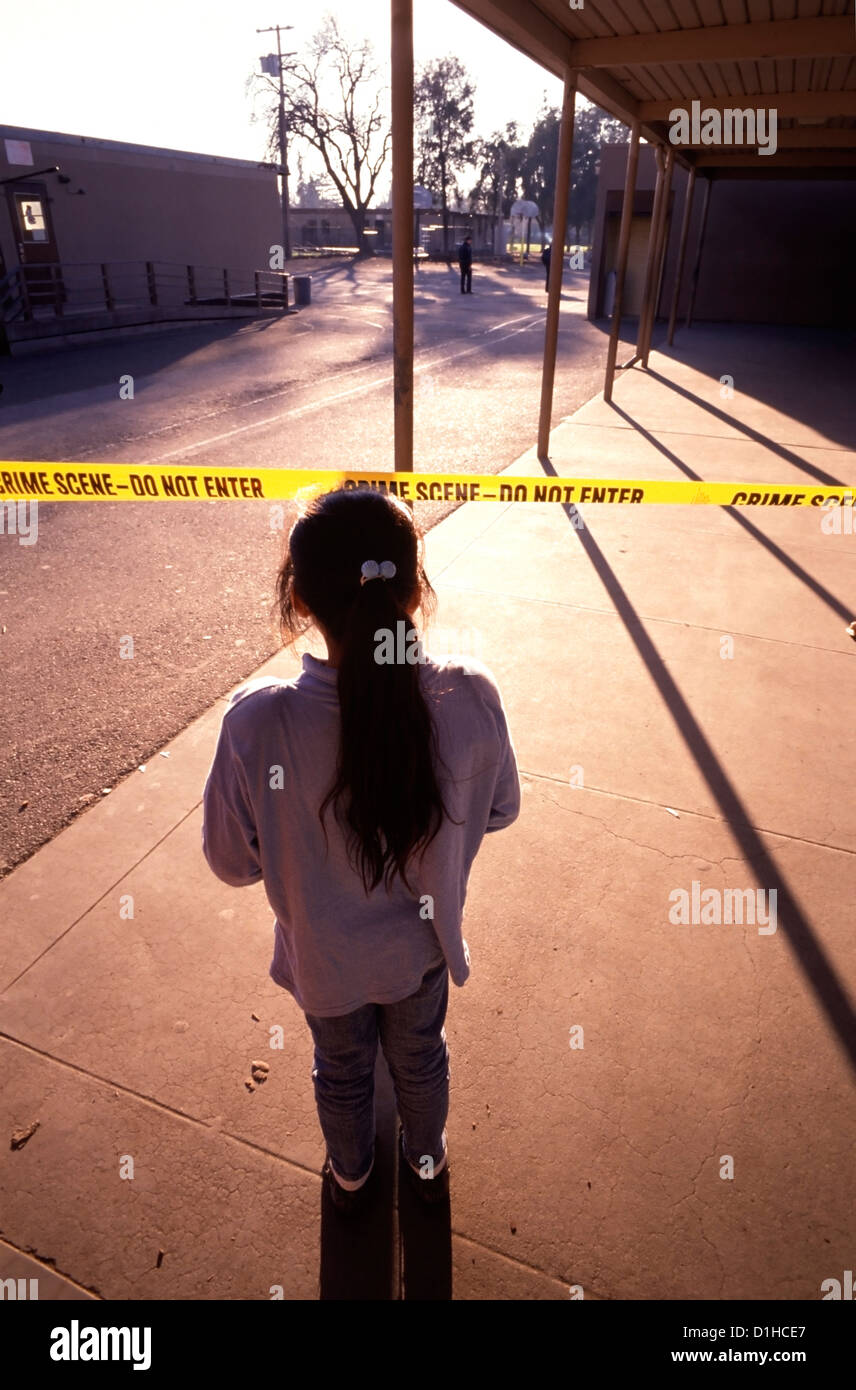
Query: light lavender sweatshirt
point(337, 948)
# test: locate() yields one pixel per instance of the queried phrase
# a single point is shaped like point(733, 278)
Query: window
point(31, 216)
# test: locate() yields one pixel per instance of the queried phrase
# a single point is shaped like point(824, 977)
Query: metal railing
point(35, 292)
point(12, 297)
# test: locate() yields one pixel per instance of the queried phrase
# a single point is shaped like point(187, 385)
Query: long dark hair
point(385, 794)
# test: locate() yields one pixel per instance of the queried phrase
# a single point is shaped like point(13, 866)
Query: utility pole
point(283, 139)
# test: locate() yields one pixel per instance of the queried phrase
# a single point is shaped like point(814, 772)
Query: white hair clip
point(372, 570)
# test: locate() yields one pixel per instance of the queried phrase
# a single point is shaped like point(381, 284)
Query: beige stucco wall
point(157, 205)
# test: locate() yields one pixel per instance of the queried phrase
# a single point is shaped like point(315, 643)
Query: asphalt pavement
point(192, 583)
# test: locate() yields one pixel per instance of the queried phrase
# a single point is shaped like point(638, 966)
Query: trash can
point(302, 289)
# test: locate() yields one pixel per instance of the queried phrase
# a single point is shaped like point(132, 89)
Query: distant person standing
point(465, 261)
point(545, 257)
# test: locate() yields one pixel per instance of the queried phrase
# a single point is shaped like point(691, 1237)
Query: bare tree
point(334, 104)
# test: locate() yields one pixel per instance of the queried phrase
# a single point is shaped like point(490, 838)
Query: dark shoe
point(347, 1203)
point(431, 1191)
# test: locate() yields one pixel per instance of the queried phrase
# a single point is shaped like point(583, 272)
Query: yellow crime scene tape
point(120, 482)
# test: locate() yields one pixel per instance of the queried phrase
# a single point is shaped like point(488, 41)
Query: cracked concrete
point(129, 1036)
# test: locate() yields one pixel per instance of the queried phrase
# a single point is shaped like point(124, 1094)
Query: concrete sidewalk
point(679, 685)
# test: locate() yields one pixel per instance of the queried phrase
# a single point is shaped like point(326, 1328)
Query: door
point(637, 262)
point(32, 227)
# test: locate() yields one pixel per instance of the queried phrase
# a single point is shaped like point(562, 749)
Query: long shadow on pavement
point(425, 1243)
point(843, 610)
point(768, 361)
point(755, 435)
point(358, 1251)
point(799, 934)
point(364, 1257)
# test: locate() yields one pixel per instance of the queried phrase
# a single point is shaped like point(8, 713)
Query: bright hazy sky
point(172, 72)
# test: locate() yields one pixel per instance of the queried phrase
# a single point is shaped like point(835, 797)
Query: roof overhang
point(803, 68)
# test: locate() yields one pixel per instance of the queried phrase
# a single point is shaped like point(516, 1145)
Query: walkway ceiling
point(643, 58)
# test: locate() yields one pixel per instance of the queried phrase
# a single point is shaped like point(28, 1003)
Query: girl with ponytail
point(359, 794)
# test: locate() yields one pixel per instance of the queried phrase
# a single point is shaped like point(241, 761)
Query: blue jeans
point(413, 1039)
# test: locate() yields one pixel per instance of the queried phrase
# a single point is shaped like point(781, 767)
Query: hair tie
point(372, 570)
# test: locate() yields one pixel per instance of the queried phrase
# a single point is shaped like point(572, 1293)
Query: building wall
point(775, 250)
point(606, 253)
point(140, 204)
point(332, 227)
